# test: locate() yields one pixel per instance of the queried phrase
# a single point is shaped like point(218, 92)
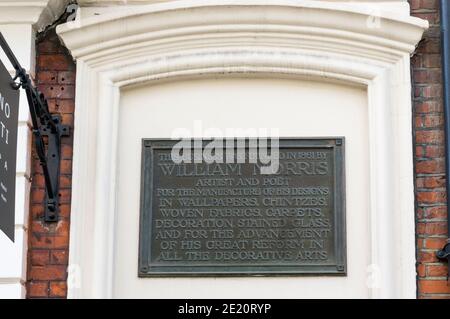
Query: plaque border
point(145, 270)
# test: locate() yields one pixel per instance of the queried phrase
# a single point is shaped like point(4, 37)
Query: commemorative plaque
point(231, 218)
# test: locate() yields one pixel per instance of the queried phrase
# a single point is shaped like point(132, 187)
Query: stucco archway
point(295, 39)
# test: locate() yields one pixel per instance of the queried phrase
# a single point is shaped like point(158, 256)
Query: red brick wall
point(431, 212)
point(49, 243)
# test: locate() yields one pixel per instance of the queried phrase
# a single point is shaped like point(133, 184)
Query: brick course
point(431, 195)
point(49, 243)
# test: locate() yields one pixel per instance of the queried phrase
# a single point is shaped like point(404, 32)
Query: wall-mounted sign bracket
point(444, 254)
point(44, 125)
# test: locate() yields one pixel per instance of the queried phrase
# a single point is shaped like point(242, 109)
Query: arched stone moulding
point(327, 41)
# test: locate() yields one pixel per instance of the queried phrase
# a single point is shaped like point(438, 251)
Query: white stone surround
point(364, 43)
point(19, 21)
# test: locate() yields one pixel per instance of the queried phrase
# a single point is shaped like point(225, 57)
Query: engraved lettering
point(222, 216)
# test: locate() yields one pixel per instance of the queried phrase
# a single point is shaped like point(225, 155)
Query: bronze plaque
point(229, 219)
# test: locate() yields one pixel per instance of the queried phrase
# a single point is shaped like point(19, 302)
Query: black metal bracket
point(44, 124)
point(53, 163)
point(444, 254)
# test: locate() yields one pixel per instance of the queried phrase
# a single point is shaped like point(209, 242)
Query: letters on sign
point(9, 106)
point(227, 218)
